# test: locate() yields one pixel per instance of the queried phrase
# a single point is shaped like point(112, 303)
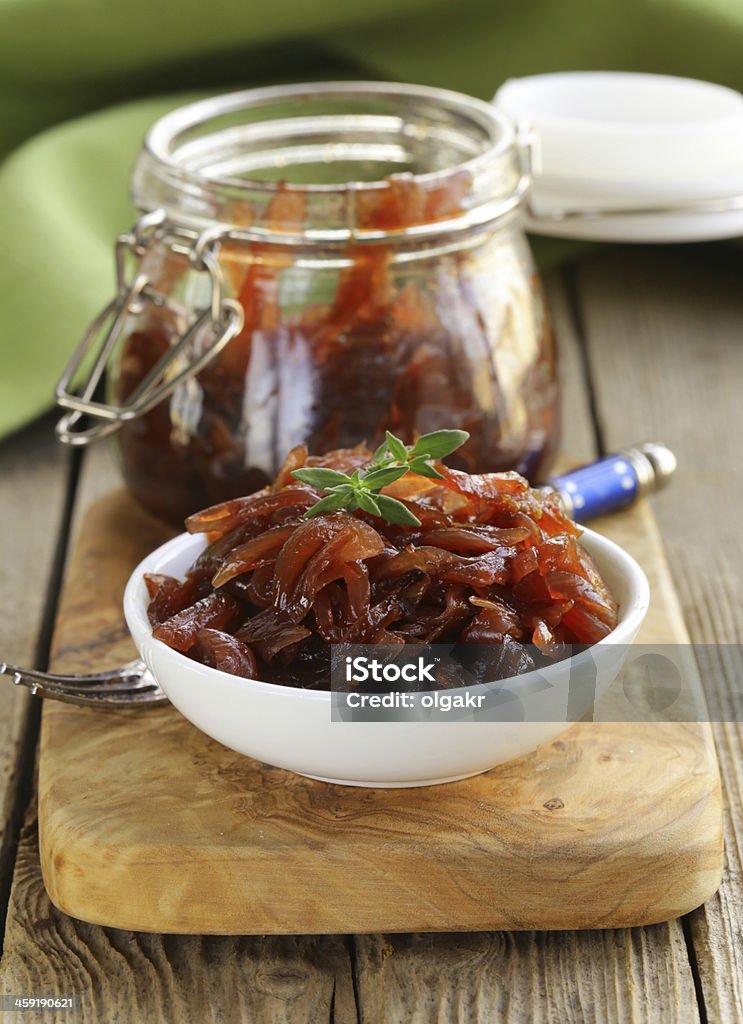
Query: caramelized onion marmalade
point(492, 562)
point(329, 356)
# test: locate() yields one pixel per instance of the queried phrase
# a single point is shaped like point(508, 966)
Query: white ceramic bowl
point(292, 728)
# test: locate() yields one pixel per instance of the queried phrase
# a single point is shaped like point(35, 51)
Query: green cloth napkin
point(80, 81)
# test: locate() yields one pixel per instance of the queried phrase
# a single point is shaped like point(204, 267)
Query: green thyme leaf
point(380, 455)
point(423, 468)
point(321, 477)
point(396, 447)
point(376, 479)
point(368, 502)
point(440, 443)
point(391, 461)
point(333, 503)
point(395, 512)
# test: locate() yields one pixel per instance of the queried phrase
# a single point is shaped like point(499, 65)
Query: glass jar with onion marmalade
point(316, 264)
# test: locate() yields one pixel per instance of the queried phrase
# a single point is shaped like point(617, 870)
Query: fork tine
point(141, 699)
point(131, 685)
point(130, 672)
point(145, 684)
point(93, 685)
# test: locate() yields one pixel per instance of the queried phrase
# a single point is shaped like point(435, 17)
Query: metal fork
point(128, 686)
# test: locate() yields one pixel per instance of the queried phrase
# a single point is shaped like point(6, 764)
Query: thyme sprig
point(391, 461)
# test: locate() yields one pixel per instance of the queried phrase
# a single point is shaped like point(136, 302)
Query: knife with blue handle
point(614, 481)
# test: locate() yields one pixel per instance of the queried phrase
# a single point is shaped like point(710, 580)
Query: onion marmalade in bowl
point(489, 561)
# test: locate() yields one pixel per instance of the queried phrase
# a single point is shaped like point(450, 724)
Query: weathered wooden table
point(652, 341)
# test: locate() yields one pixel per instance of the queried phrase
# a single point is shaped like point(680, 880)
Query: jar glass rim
point(165, 132)
point(197, 159)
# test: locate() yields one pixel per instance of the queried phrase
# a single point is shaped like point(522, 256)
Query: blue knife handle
point(615, 481)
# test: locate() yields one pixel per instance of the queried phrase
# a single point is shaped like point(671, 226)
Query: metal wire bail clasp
point(223, 316)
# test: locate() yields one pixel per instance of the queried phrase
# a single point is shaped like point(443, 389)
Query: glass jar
point(316, 264)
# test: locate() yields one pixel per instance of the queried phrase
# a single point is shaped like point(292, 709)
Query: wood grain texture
point(638, 974)
point(33, 481)
point(197, 839)
point(665, 335)
point(121, 976)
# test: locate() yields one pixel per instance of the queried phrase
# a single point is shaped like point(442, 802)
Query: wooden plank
point(638, 974)
point(664, 330)
point(34, 473)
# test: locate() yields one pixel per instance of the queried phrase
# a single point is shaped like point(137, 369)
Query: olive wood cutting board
point(148, 824)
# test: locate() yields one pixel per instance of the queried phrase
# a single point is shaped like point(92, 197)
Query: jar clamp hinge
point(224, 315)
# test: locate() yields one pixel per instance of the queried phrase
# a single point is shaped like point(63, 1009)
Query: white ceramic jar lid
point(631, 157)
